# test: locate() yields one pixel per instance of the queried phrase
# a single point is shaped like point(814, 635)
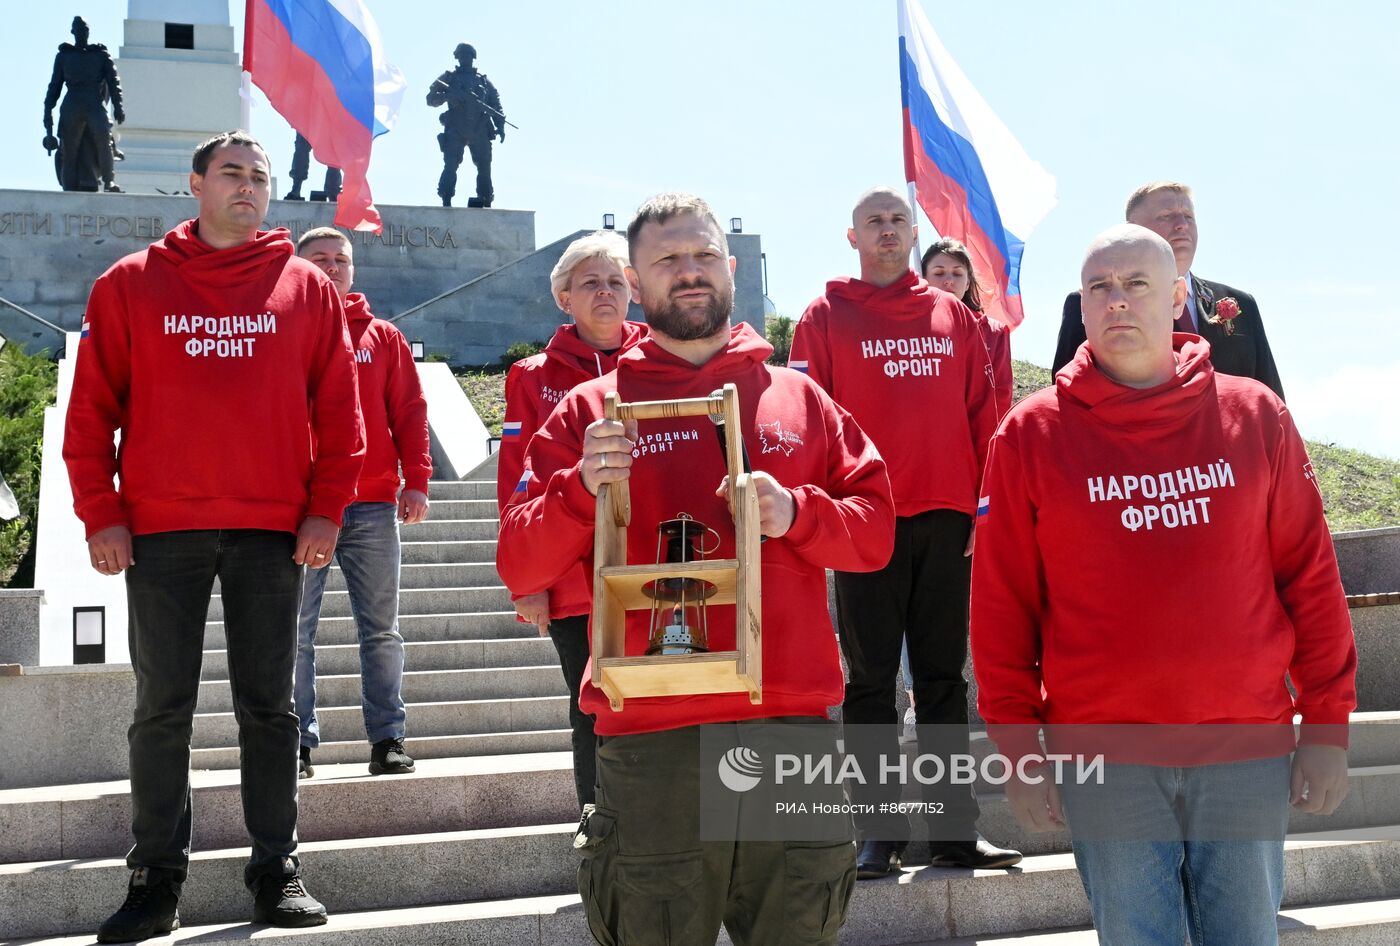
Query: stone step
point(355, 752)
point(930, 904)
point(1374, 799)
point(336, 604)
point(558, 919)
point(448, 718)
point(334, 659)
point(444, 552)
point(341, 801)
point(450, 626)
point(419, 686)
point(476, 508)
point(437, 575)
point(461, 489)
point(456, 530)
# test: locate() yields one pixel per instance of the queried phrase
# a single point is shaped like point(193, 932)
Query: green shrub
point(27, 385)
point(521, 350)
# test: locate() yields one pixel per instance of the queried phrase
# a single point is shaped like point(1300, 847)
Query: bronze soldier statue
point(85, 145)
point(472, 119)
point(301, 167)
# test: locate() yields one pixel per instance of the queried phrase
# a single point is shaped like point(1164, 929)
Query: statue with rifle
point(472, 120)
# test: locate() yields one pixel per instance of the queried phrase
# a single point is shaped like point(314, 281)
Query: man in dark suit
point(1238, 346)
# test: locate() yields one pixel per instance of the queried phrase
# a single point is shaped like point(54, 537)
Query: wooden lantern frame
point(617, 586)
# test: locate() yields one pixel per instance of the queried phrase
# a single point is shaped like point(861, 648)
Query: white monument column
point(180, 74)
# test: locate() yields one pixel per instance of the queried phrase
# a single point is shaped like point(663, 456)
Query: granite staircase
point(474, 848)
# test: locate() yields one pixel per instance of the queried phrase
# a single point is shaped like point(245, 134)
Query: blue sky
point(1280, 117)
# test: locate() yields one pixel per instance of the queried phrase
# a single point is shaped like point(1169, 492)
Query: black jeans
point(570, 636)
point(168, 590)
point(922, 594)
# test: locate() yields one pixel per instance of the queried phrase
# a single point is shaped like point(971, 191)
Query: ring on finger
point(605, 461)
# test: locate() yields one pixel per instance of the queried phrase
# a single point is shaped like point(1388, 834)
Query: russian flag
point(87, 327)
point(510, 430)
point(984, 506)
point(798, 366)
point(321, 65)
point(972, 179)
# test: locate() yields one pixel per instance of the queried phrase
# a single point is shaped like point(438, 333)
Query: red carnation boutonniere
point(1226, 311)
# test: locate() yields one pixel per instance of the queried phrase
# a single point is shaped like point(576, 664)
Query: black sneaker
point(149, 910)
point(879, 859)
point(283, 901)
point(304, 766)
point(388, 758)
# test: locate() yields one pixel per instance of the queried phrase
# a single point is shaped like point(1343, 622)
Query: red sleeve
point(522, 409)
point(998, 339)
point(1007, 603)
point(1323, 668)
point(408, 416)
point(980, 395)
point(810, 345)
point(547, 528)
point(848, 523)
point(335, 407)
point(97, 409)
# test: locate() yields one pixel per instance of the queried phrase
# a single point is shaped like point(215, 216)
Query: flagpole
point(914, 219)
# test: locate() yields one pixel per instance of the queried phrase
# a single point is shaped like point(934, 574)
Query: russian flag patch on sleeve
point(87, 327)
point(510, 430)
point(524, 482)
point(798, 366)
point(984, 506)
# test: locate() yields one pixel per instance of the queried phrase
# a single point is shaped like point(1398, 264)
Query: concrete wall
point(1369, 560)
point(65, 725)
point(61, 566)
point(474, 323)
point(54, 244)
point(19, 625)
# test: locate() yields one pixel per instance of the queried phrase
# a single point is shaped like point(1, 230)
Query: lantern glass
point(679, 622)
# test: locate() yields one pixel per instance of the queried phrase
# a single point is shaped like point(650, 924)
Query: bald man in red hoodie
point(649, 874)
point(216, 354)
point(909, 362)
point(1107, 498)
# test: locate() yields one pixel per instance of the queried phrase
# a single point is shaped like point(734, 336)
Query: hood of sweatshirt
point(746, 349)
point(1083, 383)
point(908, 296)
point(567, 348)
point(201, 264)
point(357, 307)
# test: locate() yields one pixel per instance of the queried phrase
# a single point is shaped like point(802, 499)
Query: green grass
point(1359, 491)
point(27, 385)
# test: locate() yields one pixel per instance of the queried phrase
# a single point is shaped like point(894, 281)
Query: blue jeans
point(1171, 853)
point(368, 555)
point(168, 591)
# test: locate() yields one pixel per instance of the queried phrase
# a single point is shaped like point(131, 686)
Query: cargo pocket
point(595, 842)
point(660, 897)
point(819, 882)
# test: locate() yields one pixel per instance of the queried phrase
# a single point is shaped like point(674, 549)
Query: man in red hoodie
point(647, 876)
point(909, 362)
point(589, 283)
point(1106, 498)
point(216, 354)
point(396, 437)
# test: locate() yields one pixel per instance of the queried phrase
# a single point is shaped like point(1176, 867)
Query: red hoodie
point(997, 337)
point(793, 431)
point(1105, 589)
point(395, 411)
point(533, 387)
point(213, 364)
point(909, 362)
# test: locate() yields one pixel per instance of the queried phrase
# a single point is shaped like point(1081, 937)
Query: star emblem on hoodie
point(774, 438)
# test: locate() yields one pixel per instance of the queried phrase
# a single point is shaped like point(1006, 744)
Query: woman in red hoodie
point(589, 283)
